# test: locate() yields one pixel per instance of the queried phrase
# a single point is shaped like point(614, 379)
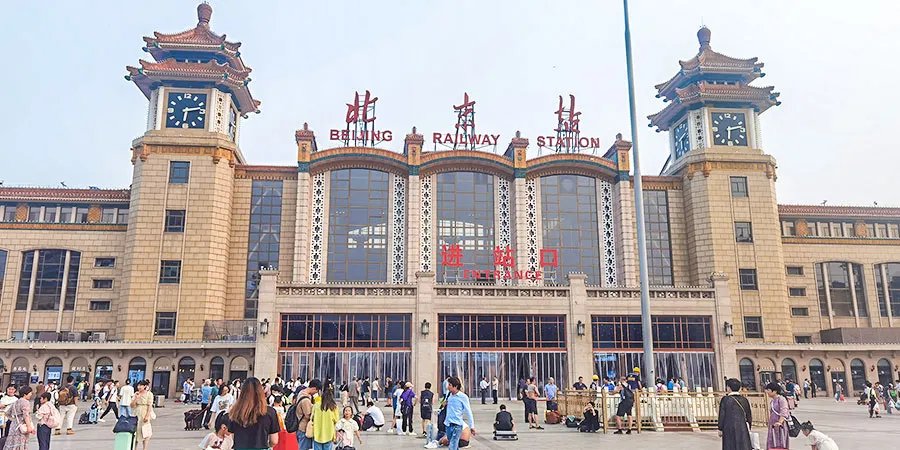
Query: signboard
point(451, 256)
point(54, 373)
point(360, 129)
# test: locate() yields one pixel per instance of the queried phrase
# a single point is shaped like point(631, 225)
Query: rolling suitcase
point(124, 441)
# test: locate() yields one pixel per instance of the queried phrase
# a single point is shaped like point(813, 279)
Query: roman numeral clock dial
point(186, 110)
point(729, 129)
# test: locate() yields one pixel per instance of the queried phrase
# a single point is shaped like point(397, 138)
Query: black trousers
point(484, 393)
point(112, 406)
point(407, 425)
point(494, 394)
point(206, 414)
point(43, 437)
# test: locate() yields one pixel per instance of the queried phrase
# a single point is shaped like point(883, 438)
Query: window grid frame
point(743, 232)
point(659, 238)
point(502, 326)
point(739, 187)
point(628, 334)
point(585, 226)
point(179, 172)
point(159, 330)
point(345, 327)
point(758, 323)
point(343, 191)
point(263, 238)
point(476, 239)
point(166, 268)
point(175, 221)
point(749, 280)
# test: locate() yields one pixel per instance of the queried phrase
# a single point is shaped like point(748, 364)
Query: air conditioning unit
point(49, 336)
point(98, 336)
point(76, 336)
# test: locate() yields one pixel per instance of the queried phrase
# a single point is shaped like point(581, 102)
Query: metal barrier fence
point(661, 411)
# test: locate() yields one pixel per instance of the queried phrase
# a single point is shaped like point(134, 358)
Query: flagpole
point(649, 368)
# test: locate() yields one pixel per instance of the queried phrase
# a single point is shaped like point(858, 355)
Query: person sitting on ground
point(464, 438)
point(591, 422)
point(817, 439)
point(373, 417)
point(504, 420)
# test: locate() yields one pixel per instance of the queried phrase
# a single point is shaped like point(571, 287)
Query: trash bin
point(160, 401)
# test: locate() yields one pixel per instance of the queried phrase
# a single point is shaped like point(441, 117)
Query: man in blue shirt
point(205, 398)
point(550, 392)
point(457, 404)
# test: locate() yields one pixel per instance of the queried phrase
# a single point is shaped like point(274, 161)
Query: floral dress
point(17, 413)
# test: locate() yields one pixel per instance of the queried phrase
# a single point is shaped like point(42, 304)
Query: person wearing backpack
point(301, 410)
point(48, 419)
point(626, 404)
point(68, 406)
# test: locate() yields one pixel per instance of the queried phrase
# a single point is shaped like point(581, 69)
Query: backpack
point(64, 398)
point(291, 420)
point(55, 418)
point(627, 394)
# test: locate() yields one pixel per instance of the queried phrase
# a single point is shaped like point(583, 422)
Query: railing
point(230, 330)
point(661, 411)
point(330, 290)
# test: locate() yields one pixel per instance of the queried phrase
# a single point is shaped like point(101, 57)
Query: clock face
point(682, 140)
point(729, 129)
point(186, 110)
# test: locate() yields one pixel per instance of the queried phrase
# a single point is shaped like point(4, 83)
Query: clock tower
point(712, 104)
point(179, 228)
point(728, 182)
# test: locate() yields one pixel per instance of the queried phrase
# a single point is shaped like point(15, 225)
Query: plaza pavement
point(847, 423)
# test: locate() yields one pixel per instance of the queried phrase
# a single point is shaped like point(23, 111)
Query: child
point(817, 439)
point(95, 411)
point(220, 440)
point(346, 428)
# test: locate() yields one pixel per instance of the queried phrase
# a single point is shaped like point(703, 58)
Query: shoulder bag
point(310, 428)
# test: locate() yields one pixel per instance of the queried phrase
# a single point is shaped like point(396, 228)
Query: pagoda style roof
point(711, 77)
point(197, 55)
point(705, 92)
point(837, 212)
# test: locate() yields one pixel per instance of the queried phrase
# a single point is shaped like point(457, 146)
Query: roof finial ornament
point(204, 13)
point(305, 126)
point(703, 35)
point(414, 130)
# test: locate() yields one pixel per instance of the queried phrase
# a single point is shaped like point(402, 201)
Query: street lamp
point(579, 328)
point(264, 327)
point(729, 329)
point(425, 328)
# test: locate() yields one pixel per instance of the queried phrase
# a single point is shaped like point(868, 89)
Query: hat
point(637, 370)
point(408, 384)
point(596, 377)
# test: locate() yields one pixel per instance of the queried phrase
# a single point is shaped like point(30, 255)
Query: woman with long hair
point(252, 421)
point(324, 417)
point(779, 415)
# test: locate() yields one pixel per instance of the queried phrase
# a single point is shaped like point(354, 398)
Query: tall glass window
point(346, 331)
point(570, 225)
point(669, 332)
point(748, 373)
point(501, 332)
point(48, 286)
point(891, 279)
point(265, 237)
point(3, 255)
point(465, 217)
point(839, 288)
point(659, 246)
point(357, 226)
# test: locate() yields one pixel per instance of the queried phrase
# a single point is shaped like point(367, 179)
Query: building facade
point(398, 261)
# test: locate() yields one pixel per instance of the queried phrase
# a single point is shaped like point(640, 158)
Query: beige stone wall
point(91, 244)
point(203, 248)
point(807, 255)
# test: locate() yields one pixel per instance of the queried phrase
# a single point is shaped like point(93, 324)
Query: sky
point(71, 116)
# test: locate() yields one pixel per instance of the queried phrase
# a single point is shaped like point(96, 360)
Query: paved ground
point(847, 423)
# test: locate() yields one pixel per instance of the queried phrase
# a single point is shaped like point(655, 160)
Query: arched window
point(53, 369)
point(357, 226)
point(748, 374)
point(858, 374)
point(841, 288)
point(56, 280)
point(465, 220)
point(887, 283)
point(817, 374)
point(20, 371)
point(885, 376)
point(104, 369)
point(217, 368)
point(137, 370)
point(570, 226)
point(186, 369)
point(789, 370)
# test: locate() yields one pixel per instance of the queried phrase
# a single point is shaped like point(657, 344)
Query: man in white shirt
point(5, 400)
point(484, 389)
point(495, 389)
point(373, 417)
point(126, 395)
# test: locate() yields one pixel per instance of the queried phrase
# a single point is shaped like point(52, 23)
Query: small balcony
point(230, 331)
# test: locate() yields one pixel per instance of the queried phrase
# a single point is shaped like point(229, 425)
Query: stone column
point(413, 150)
point(726, 353)
point(580, 348)
point(424, 347)
point(306, 145)
point(266, 364)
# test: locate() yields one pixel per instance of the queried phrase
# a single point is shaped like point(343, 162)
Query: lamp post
point(649, 371)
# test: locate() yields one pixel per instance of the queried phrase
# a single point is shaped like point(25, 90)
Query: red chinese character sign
point(568, 132)
point(504, 262)
point(360, 122)
point(465, 137)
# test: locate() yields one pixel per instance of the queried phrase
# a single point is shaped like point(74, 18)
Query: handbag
point(310, 430)
point(146, 430)
point(126, 424)
point(23, 428)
